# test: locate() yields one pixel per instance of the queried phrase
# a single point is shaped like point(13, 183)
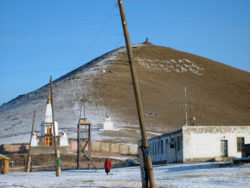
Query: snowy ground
point(176, 175)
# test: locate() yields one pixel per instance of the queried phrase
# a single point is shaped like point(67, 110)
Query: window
point(158, 147)
point(151, 147)
point(178, 143)
point(161, 146)
point(240, 143)
point(154, 147)
point(166, 141)
point(49, 130)
point(172, 143)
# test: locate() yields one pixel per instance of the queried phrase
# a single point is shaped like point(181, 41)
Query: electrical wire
point(98, 35)
point(85, 54)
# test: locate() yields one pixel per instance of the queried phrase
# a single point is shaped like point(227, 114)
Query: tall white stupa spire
point(47, 125)
point(48, 112)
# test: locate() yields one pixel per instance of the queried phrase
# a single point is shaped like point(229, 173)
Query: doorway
point(224, 148)
point(48, 141)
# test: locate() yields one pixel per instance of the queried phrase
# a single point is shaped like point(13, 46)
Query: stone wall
point(14, 148)
point(106, 147)
point(96, 147)
point(48, 150)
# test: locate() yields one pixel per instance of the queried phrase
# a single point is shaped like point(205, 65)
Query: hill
point(216, 94)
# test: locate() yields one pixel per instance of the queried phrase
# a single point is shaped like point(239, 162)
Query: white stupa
point(64, 139)
point(34, 140)
point(47, 125)
point(108, 124)
point(47, 129)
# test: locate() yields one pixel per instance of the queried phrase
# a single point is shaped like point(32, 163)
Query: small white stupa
point(64, 139)
point(34, 140)
point(108, 124)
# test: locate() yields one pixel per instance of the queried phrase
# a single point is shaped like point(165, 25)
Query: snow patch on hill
point(171, 65)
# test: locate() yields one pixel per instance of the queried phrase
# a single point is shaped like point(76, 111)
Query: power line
point(76, 38)
point(98, 34)
point(88, 50)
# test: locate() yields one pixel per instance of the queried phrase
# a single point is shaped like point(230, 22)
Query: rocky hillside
point(216, 94)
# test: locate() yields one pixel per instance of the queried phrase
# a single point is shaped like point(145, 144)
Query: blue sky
point(39, 38)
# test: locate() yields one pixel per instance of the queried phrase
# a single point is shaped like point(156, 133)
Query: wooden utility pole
point(57, 153)
point(29, 154)
point(145, 147)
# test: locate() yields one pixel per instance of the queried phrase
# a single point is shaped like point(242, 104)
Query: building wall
point(197, 143)
point(204, 142)
point(166, 148)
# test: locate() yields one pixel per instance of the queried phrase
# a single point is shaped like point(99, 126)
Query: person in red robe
point(107, 165)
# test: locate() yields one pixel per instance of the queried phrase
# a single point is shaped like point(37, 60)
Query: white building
point(47, 130)
point(199, 143)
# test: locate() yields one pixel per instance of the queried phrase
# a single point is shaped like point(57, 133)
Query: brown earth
point(220, 96)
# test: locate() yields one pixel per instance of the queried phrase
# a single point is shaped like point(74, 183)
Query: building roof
point(4, 157)
point(166, 134)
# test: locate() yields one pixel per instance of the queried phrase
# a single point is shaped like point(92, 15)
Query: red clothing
point(107, 165)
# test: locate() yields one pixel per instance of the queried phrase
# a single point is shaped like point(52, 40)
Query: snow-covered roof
point(4, 157)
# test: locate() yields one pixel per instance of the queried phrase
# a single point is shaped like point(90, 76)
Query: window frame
point(239, 143)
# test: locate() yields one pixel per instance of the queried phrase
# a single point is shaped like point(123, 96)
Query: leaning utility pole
point(145, 147)
point(57, 153)
point(29, 154)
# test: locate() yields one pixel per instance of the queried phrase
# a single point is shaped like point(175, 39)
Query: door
point(48, 141)
point(224, 148)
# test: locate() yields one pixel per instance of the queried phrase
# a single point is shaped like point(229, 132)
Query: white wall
point(169, 154)
point(205, 141)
